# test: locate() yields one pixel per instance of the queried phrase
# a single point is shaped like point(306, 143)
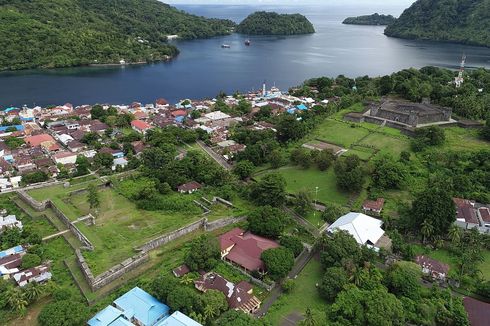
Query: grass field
point(298, 179)
point(387, 144)
point(304, 295)
point(464, 139)
point(338, 133)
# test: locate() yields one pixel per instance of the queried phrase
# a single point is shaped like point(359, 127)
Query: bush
point(30, 260)
point(288, 285)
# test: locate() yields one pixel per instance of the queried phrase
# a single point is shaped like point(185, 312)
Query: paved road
point(218, 158)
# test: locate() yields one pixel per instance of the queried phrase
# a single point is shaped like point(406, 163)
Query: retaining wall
point(218, 224)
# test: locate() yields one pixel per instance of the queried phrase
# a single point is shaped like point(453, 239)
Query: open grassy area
point(460, 139)
point(120, 227)
point(298, 179)
point(338, 133)
point(304, 295)
point(387, 144)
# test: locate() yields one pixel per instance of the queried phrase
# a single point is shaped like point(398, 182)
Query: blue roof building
point(137, 307)
point(141, 307)
point(291, 111)
point(178, 319)
point(108, 316)
point(17, 127)
point(302, 107)
point(12, 251)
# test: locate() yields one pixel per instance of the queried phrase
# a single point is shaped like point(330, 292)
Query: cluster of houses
point(11, 268)
point(472, 215)
point(53, 135)
point(243, 250)
point(138, 308)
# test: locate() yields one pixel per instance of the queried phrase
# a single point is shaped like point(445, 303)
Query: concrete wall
point(218, 224)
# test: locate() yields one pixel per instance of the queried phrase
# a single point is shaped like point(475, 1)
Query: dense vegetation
point(374, 19)
point(471, 100)
point(62, 33)
point(271, 23)
point(463, 21)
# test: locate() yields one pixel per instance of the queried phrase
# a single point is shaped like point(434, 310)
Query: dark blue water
point(203, 68)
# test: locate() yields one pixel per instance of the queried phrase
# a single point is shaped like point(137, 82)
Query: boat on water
point(247, 42)
point(225, 46)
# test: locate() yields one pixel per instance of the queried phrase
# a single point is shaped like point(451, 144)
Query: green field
point(304, 295)
point(338, 133)
point(387, 144)
point(298, 179)
point(460, 139)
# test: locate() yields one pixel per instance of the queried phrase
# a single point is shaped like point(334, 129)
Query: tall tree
point(93, 196)
point(436, 206)
point(204, 253)
point(270, 190)
point(267, 221)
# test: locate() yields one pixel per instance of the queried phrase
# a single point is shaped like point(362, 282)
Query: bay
point(203, 68)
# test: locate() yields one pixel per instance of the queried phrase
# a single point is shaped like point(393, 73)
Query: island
point(271, 23)
point(465, 22)
point(66, 33)
point(374, 19)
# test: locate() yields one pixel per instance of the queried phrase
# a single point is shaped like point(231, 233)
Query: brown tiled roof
point(193, 185)
point(478, 311)
point(247, 249)
point(376, 205)
point(181, 270)
point(12, 261)
point(484, 213)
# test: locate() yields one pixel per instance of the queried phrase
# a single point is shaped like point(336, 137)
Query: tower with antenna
point(458, 81)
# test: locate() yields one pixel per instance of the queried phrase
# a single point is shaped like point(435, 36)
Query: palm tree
point(427, 230)
point(309, 318)
point(16, 300)
point(454, 234)
point(186, 280)
point(210, 312)
point(33, 291)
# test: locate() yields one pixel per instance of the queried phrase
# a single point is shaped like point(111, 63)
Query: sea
point(203, 69)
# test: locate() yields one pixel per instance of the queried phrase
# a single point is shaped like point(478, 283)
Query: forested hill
point(62, 33)
point(271, 23)
point(462, 21)
point(374, 19)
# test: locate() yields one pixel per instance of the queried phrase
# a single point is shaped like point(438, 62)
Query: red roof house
point(465, 211)
point(189, 187)
point(38, 140)
point(140, 126)
point(373, 206)
point(244, 248)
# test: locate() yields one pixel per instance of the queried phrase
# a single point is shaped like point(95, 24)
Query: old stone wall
point(166, 238)
point(218, 224)
point(26, 198)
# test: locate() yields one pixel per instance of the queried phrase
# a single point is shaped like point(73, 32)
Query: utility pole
point(314, 208)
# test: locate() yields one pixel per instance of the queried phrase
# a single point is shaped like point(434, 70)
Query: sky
point(291, 2)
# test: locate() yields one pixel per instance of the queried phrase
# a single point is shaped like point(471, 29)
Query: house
point(244, 249)
point(136, 307)
point(238, 298)
point(373, 207)
point(10, 265)
point(65, 158)
point(472, 215)
point(189, 187)
point(181, 270)
point(138, 147)
point(478, 311)
point(75, 146)
point(38, 274)
point(217, 115)
point(9, 222)
point(140, 126)
point(178, 319)
point(432, 267)
point(363, 228)
point(121, 162)
point(44, 140)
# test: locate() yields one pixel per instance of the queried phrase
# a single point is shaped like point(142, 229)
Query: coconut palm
point(427, 230)
point(309, 318)
point(454, 234)
point(16, 300)
point(210, 312)
point(33, 291)
point(186, 280)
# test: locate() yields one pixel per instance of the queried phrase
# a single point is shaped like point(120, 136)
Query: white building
point(65, 158)
point(217, 115)
point(9, 221)
point(365, 229)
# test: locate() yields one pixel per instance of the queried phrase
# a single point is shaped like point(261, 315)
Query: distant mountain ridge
point(374, 19)
point(462, 21)
point(272, 23)
point(63, 33)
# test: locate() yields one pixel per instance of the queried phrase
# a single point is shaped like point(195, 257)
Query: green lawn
point(364, 153)
point(339, 133)
point(464, 139)
point(120, 227)
point(304, 295)
point(387, 144)
point(298, 179)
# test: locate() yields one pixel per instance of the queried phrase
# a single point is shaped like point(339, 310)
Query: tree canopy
point(267, 221)
point(278, 262)
point(204, 253)
point(271, 23)
point(374, 19)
